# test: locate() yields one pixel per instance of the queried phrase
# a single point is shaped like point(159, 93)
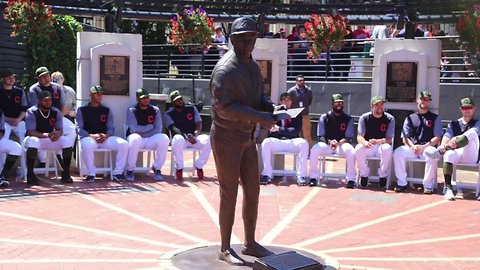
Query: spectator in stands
point(302, 97)
point(219, 36)
point(70, 95)
point(283, 33)
point(379, 32)
point(285, 136)
point(360, 34)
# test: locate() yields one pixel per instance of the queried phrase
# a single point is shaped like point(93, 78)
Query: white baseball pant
point(321, 148)
point(296, 145)
point(69, 132)
point(114, 143)
point(157, 142)
point(404, 152)
point(47, 144)
point(384, 151)
point(467, 154)
point(203, 144)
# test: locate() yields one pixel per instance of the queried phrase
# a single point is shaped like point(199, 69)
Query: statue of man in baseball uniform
point(238, 104)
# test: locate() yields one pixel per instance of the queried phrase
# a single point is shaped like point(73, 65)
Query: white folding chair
point(284, 172)
point(411, 179)
point(376, 178)
point(107, 166)
point(462, 185)
point(50, 164)
point(151, 155)
point(323, 168)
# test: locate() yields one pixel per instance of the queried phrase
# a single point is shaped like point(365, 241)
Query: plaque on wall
point(115, 74)
point(401, 82)
point(266, 70)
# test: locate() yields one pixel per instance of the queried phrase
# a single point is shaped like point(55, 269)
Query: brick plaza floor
point(107, 225)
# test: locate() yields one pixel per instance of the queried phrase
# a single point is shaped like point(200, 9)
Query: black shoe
point(90, 179)
point(229, 256)
point(66, 179)
point(382, 182)
point(4, 182)
point(32, 180)
point(350, 184)
point(301, 181)
point(265, 180)
point(256, 250)
point(363, 182)
point(400, 189)
point(313, 182)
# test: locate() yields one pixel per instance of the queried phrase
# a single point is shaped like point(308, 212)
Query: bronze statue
point(238, 104)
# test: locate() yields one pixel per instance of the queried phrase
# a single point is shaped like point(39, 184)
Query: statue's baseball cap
point(243, 25)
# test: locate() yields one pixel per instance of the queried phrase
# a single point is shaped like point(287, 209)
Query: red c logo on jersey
point(150, 119)
point(189, 117)
point(103, 118)
point(383, 127)
point(16, 99)
point(56, 95)
point(343, 126)
point(52, 122)
point(428, 123)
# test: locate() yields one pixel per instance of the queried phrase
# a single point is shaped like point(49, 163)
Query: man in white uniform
point(421, 133)
point(335, 132)
point(460, 144)
point(145, 131)
point(375, 135)
point(285, 136)
point(95, 127)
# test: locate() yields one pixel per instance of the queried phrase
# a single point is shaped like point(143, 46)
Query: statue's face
point(244, 44)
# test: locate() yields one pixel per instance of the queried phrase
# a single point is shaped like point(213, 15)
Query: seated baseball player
point(13, 103)
point(421, 133)
point(95, 128)
point(9, 147)
point(44, 132)
point(185, 125)
point(285, 136)
point(460, 143)
point(375, 135)
point(335, 132)
point(145, 131)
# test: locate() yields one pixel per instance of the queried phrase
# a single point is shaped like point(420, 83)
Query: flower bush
point(324, 31)
point(191, 29)
point(50, 40)
point(468, 27)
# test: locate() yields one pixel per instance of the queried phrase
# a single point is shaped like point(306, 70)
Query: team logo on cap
point(103, 118)
point(383, 127)
point(150, 119)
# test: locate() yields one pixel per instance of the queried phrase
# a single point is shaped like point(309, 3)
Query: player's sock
point(9, 162)
point(461, 141)
point(31, 157)
point(67, 159)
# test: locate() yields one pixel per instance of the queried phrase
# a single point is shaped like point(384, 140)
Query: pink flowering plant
point(468, 27)
point(30, 19)
point(191, 29)
point(324, 31)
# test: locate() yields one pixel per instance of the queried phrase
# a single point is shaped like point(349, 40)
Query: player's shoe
point(302, 181)
point(449, 194)
point(350, 184)
point(90, 179)
point(130, 176)
point(265, 180)
point(363, 182)
point(179, 175)
point(400, 189)
point(200, 174)
point(312, 182)
point(118, 177)
point(157, 175)
point(4, 182)
point(427, 190)
point(382, 182)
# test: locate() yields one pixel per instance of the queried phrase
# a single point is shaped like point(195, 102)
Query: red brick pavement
point(108, 225)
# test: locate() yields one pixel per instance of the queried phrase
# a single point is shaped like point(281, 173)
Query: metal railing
point(353, 62)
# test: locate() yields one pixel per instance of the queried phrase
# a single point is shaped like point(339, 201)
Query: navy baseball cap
point(6, 73)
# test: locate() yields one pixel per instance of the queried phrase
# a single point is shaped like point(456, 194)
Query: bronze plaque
point(115, 74)
point(401, 82)
point(266, 70)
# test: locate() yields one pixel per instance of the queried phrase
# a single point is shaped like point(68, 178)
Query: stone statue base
point(206, 258)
